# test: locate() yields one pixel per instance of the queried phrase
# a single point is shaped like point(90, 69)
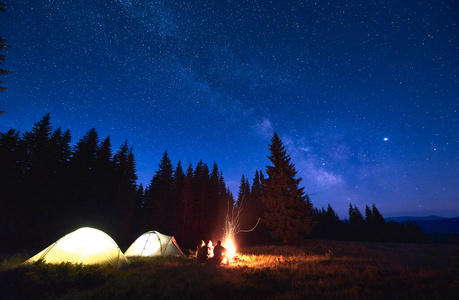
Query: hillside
point(410, 218)
point(432, 224)
point(313, 270)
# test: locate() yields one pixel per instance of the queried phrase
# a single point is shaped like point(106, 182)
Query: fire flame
point(211, 249)
point(230, 246)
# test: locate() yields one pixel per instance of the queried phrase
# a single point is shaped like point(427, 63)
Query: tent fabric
point(83, 246)
point(153, 243)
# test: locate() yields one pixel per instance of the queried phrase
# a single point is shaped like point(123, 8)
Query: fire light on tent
point(83, 246)
point(153, 243)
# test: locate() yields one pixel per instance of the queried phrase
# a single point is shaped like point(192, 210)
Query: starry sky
point(363, 94)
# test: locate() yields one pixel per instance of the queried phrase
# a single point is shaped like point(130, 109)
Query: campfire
point(231, 229)
point(230, 244)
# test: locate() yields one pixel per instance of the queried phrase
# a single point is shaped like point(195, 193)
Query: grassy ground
point(314, 270)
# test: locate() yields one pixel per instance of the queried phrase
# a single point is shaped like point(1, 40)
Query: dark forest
point(50, 187)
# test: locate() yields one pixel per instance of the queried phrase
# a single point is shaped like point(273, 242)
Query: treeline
point(371, 228)
point(49, 188)
point(326, 223)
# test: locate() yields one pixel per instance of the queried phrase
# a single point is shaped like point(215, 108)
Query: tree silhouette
point(83, 191)
point(160, 206)
point(356, 222)
point(11, 189)
point(287, 215)
point(243, 203)
point(36, 181)
point(178, 187)
point(124, 199)
point(187, 220)
point(217, 202)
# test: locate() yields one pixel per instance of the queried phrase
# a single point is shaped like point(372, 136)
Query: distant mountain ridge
point(406, 218)
point(431, 224)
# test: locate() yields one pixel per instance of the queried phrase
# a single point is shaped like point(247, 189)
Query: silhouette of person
point(203, 253)
point(200, 245)
point(219, 254)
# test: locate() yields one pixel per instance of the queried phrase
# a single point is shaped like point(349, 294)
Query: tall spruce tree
point(332, 223)
point(59, 180)
point(126, 188)
point(187, 220)
point(36, 182)
point(244, 192)
point(287, 215)
point(217, 191)
point(243, 203)
point(11, 189)
point(83, 189)
point(356, 223)
point(252, 211)
point(104, 181)
point(202, 199)
point(378, 224)
point(178, 186)
point(160, 209)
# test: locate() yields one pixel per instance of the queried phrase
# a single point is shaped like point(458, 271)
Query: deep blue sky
point(364, 96)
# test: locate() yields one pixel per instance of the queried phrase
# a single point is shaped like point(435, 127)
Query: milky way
point(364, 96)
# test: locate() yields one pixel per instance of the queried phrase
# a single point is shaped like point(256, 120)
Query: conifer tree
point(368, 215)
point(125, 197)
point(368, 229)
point(11, 188)
point(159, 197)
point(377, 217)
point(104, 180)
point(83, 190)
point(243, 203)
point(378, 224)
point(36, 143)
point(36, 185)
point(202, 199)
point(252, 211)
point(179, 180)
point(178, 186)
point(139, 205)
point(187, 235)
point(59, 180)
point(287, 215)
point(332, 223)
point(84, 155)
point(244, 191)
point(217, 202)
point(356, 222)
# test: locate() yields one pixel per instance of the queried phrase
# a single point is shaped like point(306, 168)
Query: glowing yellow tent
point(84, 246)
point(153, 243)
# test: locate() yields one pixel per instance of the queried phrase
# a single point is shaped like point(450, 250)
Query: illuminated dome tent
point(85, 246)
point(153, 243)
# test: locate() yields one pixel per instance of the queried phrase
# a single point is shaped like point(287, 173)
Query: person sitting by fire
point(200, 245)
point(203, 253)
point(219, 254)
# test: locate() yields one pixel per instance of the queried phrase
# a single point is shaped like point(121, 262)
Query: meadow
point(312, 270)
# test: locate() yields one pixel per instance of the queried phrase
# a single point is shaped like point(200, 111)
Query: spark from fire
point(232, 228)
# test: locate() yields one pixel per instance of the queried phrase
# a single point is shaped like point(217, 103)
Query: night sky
point(363, 96)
